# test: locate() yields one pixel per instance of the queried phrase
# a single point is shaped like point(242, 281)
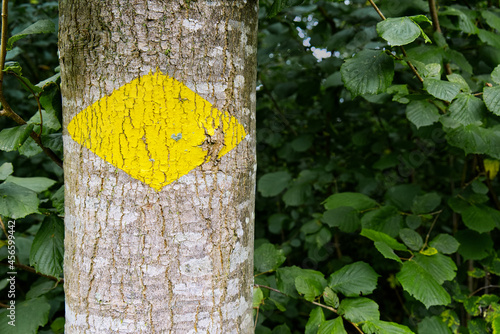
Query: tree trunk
point(159, 147)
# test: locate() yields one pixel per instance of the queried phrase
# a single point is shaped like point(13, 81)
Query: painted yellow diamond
point(155, 129)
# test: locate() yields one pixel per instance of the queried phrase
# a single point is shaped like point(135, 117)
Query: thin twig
point(378, 10)
point(483, 288)
point(430, 230)
point(32, 270)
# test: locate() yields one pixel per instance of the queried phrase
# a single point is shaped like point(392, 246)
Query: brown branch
point(3, 227)
point(430, 229)
point(414, 70)
point(32, 270)
point(377, 9)
point(434, 16)
point(3, 40)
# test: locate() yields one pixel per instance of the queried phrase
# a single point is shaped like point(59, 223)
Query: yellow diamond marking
point(155, 129)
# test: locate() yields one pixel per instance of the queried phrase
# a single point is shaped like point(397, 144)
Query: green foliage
point(402, 153)
point(30, 182)
point(377, 207)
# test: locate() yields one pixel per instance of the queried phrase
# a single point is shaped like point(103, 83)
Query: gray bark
point(179, 259)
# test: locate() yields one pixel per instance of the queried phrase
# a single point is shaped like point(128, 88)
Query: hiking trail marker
point(153, 128)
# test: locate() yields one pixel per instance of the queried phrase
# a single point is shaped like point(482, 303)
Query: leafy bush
point(378, 153)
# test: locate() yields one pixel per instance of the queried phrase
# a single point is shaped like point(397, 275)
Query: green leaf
point(281, 329)
point(39, 27)
point(297, 194)
point(441, 267)
point(50, 80)
point(398, 30)
point(382, 237)
point(50, 121)
point(359, 309)
point(309, 287)
point(11, 139)
point(445, 243)
point(478, 326)
point(40, 288)
point(492, 19)
point(491, 97)
point(357, 201)
point(47, 250)
point(30, 315)
point(258, 297)
point(421, 285)
point(333, 80)
point(335, 326)
point(478, 219)
point(473, 245)
point(466, 109)
point(302, 143)
point(413, 221)
point(285, 280)
point(310, 283)
point(57, 325)
point(331, 298)
point(368, 72)
point(386, 219)
point(30, 148)
point(402, 195)
point(495, 75)
point(433, 325)
point(489, 38)
point(344, 217)
point(441, 89)
point(387, 251)
point(271, 184)
point(16, 201)
point(316, 317)
point(475, 139)
point(57, 199)
point(5, 170)
point(267, 258)
point(425, 203)
point(479, 187)
point(459, 59)
point(411, 239)
point(37, 184)
point(458, 79)
point(15, 68)
point(422, 113)
point(385, 327)
point(354, 279)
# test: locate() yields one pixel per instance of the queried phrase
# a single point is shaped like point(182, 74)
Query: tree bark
point(173, 255)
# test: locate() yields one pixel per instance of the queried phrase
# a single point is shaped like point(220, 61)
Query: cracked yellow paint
point(155, 129)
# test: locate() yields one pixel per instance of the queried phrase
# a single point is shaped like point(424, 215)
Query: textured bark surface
point(178, 260)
